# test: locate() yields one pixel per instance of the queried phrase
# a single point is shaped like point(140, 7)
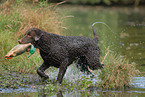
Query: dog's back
point(61, 51)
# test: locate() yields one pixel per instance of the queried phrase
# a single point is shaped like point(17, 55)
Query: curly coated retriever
point(61, 51)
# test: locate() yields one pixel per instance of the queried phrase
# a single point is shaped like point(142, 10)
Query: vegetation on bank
point(19, 17)
point(90, 2)
point(107, 2)
point(16, 19)
point(117, 71)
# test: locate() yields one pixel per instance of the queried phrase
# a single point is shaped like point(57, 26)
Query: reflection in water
point(45, 93)
point(42, 93)
point(59, 94)
point(133, 92)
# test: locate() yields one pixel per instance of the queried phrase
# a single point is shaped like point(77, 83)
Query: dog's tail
point(96, 37)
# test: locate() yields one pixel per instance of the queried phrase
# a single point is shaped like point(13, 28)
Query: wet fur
point(62, 51)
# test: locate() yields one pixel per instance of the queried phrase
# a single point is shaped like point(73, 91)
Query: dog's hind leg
point(81, 64)
point(95, 65)
point(93, 60)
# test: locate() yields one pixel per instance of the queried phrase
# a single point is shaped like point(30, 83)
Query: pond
point(126, 37)
point(127, 26)
point(127, 34)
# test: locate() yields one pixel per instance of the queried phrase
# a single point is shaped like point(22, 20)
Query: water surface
point(128, 29)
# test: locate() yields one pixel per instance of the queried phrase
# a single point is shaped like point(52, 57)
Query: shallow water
point(138, 82)
point(137, 91)
point(72, 75)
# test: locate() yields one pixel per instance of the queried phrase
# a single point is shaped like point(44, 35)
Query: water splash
point(101, 23)
point(107, 38)
point(73, 74)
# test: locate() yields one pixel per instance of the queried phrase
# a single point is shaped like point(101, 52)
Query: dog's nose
point(19, 41)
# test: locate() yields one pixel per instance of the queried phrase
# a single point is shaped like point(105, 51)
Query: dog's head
point(31, 36)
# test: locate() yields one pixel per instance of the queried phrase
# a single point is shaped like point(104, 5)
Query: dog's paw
point(45, 78)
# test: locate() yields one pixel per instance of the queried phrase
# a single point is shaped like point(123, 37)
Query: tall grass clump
point(117, 71)
point(15, 20)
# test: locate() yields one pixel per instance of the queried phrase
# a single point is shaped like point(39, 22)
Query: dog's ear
point(38, 34)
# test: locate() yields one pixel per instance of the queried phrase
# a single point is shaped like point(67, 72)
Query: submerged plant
point(117, 71)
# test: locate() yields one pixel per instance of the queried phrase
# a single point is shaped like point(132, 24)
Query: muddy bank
point(15, 80)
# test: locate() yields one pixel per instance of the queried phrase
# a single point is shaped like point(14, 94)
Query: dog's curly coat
point(61, 51)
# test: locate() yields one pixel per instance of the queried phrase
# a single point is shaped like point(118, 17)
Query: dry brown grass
point(15, 20)
point(117, 71)
point(45, 19)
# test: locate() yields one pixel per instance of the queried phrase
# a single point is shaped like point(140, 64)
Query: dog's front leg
point(62, 70)
point(41, 70)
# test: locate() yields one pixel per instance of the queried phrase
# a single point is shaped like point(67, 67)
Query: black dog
point(61, 51)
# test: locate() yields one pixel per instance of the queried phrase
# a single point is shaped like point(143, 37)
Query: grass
point(16, 19)
point(117, 71)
